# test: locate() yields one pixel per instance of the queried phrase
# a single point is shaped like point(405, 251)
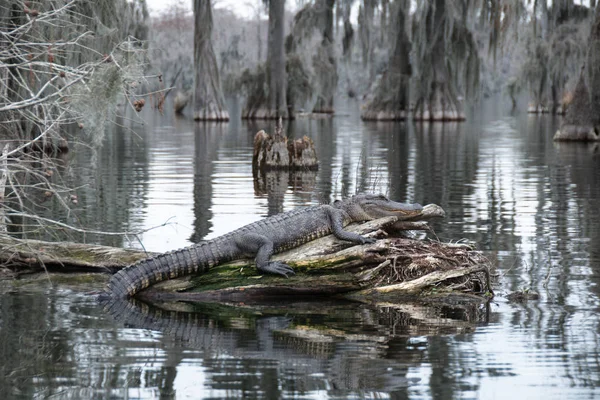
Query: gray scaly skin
point(262, 239)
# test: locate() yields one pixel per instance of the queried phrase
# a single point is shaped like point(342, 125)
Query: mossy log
point(19, 257)
point(392, 268)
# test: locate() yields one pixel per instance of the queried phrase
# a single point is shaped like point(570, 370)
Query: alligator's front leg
point(262, 247)
point(336, 218)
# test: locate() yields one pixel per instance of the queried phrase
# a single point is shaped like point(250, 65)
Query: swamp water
point(530, 204)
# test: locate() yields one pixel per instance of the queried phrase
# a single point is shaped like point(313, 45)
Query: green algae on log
point(393, 268)
point(390, 269)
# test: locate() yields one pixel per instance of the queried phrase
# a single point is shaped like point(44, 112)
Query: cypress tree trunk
point(444, 46)
point(582, 121)
point(208, 98)
point(365, 32)
point(325, 64)
point(272, 104)
point(276, 59)
point(390, 100)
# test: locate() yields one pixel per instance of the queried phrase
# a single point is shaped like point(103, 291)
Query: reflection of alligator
point(262, 239)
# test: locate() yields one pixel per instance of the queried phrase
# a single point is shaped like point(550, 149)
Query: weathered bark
point(347, 44)
point(348, 38)
point(444, 45)
point(366, 14)
point(582, 122)
point(29, 256)
point(536, 67)
point(208, 98)
point(278, 153)
point(556, 55)
point(324, 62)
point(311, 23)
point(272, 104)
point(383, 24)
point(537, 77)
point(391, 98)
point(3, 177)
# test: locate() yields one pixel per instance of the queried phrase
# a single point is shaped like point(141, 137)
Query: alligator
point(262, 239)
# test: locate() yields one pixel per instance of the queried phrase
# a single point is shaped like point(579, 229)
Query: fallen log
point(21, 257)
point(391, 268)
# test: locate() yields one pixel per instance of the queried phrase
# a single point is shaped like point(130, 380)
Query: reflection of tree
point(322, 132)
point(30, 350)
point(395, 140)
point(115, 185)
point(443, 157)
point(274, 184)
point(208, 138)
point(578, 159)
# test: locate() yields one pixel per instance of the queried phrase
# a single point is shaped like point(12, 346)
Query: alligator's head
point(367, 206)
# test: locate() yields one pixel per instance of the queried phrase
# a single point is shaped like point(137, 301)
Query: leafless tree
point(61, 67)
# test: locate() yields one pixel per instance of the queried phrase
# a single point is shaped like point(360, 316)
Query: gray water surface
point(532, 205)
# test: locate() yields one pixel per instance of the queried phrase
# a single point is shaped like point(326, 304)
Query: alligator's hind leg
point(262, 247)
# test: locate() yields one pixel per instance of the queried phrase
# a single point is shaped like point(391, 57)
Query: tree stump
point(278, 153)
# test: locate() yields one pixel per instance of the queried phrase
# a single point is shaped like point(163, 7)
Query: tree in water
point(347, 43)
point(391, 97)
point(556, 51)
point(446, 60)
point(313, 23)
point(267, 86)
point(582, 121)
point(324, 61)
point(208, 98)
point(366, 15)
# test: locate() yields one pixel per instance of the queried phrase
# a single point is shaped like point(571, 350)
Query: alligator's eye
point(381, 197)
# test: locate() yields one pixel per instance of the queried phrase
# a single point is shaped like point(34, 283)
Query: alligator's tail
point(191, 260)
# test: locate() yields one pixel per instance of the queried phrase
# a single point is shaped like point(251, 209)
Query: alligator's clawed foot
point(275, 267)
